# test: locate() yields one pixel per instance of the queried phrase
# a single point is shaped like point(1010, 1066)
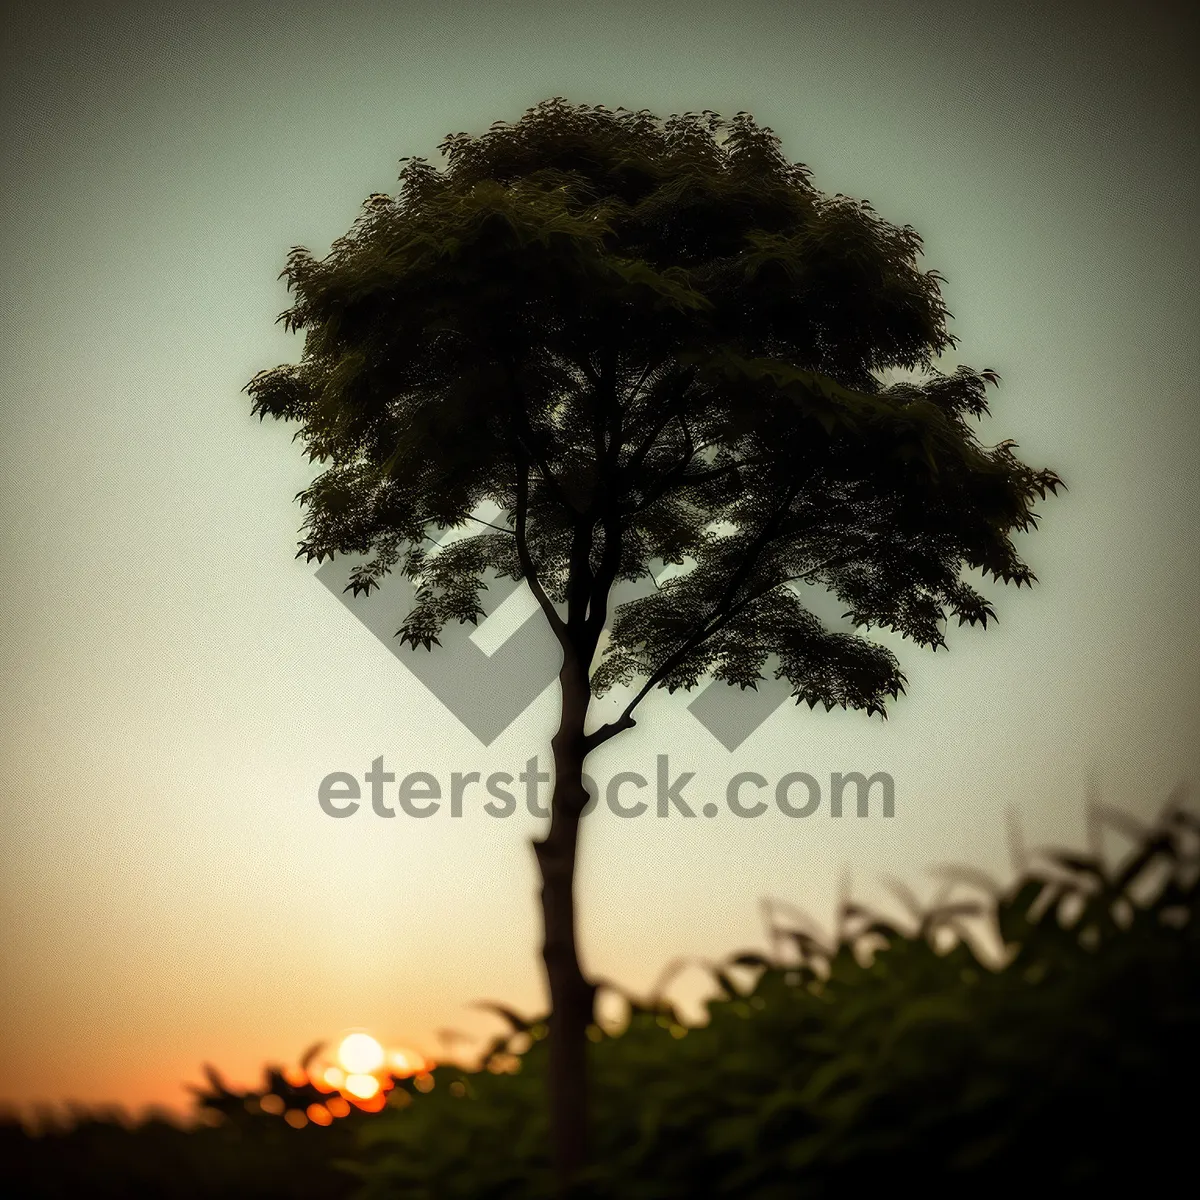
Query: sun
point(360, 1054)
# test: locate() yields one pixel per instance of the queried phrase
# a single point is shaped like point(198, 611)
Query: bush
point(889, 1057)
point(1062, 1063)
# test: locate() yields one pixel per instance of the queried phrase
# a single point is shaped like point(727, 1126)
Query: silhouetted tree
point(647, 342)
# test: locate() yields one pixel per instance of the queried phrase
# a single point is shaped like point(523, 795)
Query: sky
point(174, 685)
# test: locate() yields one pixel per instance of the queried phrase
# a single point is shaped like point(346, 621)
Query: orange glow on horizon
point(406, 1062)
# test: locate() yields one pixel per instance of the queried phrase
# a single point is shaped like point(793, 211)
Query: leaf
point(519, 1024)
point(1012, 912)
point(750, 960)
point(310, 1054)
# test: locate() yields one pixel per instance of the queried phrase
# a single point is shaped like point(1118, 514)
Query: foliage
point(648, 343)
point(235, 1148)
point(892, 1056)
point(1063, 1065)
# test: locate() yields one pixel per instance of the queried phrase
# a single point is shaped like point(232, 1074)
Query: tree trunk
point(571, 996)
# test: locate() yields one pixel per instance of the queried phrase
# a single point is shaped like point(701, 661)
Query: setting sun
point(360, 1054)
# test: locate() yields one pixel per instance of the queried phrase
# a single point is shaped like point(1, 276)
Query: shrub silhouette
point(890, 1056)
point(235, 1149)
point(1060, 1062)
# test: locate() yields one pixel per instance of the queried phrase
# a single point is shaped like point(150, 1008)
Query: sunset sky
point(175, 685)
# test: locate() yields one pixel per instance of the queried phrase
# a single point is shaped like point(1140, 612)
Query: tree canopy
point(649, 342)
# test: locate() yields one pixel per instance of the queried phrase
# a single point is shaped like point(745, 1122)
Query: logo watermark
point(627, 794)
point(487, 675)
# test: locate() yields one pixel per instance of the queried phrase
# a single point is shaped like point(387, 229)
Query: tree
point(647, 342)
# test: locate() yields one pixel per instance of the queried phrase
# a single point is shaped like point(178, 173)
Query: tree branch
point(579, 582)
point(497, 528)
point(684, 382)
point(637, 387)
point(608, 483)
point(721, 615)
point(527, 440)
point(527, 567)
point(605, 577)
point(660, 489)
